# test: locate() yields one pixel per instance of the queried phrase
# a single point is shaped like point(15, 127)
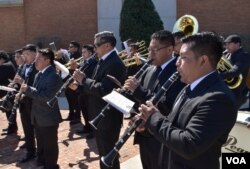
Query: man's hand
point(131, 84)
point(147, 110)
point(78, 76)
point(18, 79)
point(23, 88)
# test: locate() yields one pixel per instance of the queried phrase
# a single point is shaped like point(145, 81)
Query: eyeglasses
point(98, 44)
point(71, 46)
point(156, 49)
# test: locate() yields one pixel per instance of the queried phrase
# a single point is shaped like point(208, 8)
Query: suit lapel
point(199, 90)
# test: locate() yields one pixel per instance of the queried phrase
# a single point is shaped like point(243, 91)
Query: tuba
point(187, 24)
point(225, 65)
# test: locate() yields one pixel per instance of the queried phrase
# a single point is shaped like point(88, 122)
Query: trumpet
point(78, 60)
point(109, 158)
point(137, 59)
point(141, 49)
point(52, 101)
point(94, 123)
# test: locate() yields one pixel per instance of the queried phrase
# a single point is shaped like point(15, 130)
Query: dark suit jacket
point(144, 92)
point(100, 86)
point(194, 134)
point(241, 63)
point(47, 86)
point(8, 71)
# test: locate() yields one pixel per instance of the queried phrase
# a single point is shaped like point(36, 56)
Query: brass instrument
point(187, 24)
point(78, 60)
point(137, 59)
point(142, 49)
point(225, 65)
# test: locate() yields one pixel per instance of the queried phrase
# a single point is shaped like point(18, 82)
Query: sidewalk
point(74, 150)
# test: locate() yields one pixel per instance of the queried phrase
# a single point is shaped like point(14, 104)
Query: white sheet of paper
point(241, 118)
point(119, 102)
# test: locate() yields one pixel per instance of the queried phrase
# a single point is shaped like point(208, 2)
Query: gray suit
point(43, 91)
point(46, 119)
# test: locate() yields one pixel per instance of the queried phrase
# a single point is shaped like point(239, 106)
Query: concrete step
point(134, 162)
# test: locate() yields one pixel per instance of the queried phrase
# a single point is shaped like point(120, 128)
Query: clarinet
point(94, 123)
point(109, 158)
point(52, 101)
point(7, 103)
point(11, 118)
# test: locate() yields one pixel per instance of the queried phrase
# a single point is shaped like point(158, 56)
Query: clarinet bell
point(108, 159)
point(52, 102)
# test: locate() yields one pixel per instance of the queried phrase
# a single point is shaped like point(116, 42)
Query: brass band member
point(45, 119)
point(7, 70)
point(72, 96)
point(161, 51)
point(100, 85)
point(177, 40)
point(241, 63)
point(87, 54)
point(204, 112)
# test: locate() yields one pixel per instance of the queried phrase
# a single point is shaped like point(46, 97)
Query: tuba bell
point(225, 65)
point(187, 24)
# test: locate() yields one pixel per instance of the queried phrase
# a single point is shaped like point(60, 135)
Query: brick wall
point(46, 21)
point(223, 16)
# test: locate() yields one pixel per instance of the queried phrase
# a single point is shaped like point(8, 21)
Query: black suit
point(83, 97)
point(109, 127)
point(149, 146)
point(8, 71)
point(195, 131)
point(241, 63)
point(25, 110)
point(46, 119)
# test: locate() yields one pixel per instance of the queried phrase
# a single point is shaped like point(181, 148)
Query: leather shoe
point(27, 158)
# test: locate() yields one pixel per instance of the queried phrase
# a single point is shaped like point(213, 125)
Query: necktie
point(154, 78)
point(97, 67)
point(38, 77)
point(183, 97)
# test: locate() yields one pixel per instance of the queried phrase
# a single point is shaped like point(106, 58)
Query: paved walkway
point(75, 151)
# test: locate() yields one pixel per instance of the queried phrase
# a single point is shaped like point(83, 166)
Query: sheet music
point(119, 102)
point(243, 118)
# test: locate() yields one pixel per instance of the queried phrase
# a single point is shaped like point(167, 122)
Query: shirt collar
point(196, 82)
point(107, 54)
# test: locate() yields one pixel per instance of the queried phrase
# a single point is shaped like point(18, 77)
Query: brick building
point(41, 22)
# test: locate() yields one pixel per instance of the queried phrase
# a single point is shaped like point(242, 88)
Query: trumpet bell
point(187, 24)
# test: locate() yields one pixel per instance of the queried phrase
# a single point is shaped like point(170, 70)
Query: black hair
point(179, 34)
point(106, 37)
point(164, 37)
point(4, 55)
point(30, 47)
point(48, 54)
point(89, 47)
point(75, 44)
point(206, 43)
